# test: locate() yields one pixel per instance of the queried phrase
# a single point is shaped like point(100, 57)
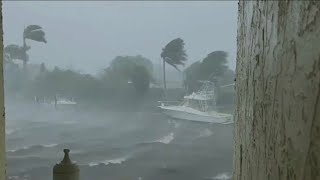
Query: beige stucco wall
point(277, 119)
point(2, 116)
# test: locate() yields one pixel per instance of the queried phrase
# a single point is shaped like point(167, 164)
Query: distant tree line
point(212, 68)
point(127, 78)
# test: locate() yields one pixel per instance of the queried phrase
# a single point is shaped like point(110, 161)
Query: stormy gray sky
point(86, 36)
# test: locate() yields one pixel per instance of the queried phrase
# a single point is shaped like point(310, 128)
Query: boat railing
point(168, 103)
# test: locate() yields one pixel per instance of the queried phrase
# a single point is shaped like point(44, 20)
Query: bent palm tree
point(35, 33)
point(174, 54)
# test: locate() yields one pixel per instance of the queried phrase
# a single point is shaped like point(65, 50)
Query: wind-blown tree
point(139, 60)
point(66, 83)
point(191, 76)
point(13, 51)
point(14, 80)
point(126, 69)
point(43, 68)
point(140, 79)
point(174, 54)
point(214, 66)
point(34, 33)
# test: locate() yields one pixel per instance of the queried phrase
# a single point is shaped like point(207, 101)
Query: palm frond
point(35, 33)
point(31, 28)
point(173, 53)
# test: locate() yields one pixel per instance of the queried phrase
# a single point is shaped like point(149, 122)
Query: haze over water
point(115, 145)
point(107, 57)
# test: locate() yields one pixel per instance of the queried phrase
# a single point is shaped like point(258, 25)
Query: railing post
point(66, 170)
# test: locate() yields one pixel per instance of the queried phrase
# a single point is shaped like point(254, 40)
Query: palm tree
point(14, 51)
point(35, 33)
point(174, 54)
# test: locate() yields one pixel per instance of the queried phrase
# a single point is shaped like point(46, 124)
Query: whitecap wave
point(49, 145)
point(33, 146)
point(23, 148)
point(222, 176)
point(230, 121)
point(13, 177)
point(175, 123)
point(11, 131)
point(166, 139)
point(110, 161)
point(206, 133)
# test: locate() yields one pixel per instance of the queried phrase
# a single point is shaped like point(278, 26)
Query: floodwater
point(115, 145)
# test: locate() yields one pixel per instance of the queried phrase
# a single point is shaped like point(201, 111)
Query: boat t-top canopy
point(200, 97)
point(205, 93)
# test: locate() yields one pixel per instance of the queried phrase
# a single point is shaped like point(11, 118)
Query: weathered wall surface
point(277, 119)
point(2, 112)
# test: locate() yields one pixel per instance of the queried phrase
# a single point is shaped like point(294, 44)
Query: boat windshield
point(201, 105)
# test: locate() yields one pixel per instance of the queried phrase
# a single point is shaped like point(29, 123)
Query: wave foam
point(23, 148)
point(49, 145)
point(206, 133)
point(175, 123)
point(110, 161)
point(33, 147)
point(11, 131)
point(13, 177)
point(222, 176)
point(166, 139)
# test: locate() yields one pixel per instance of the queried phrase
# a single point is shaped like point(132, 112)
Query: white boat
point(198, 106)
point(65, 102)
point(57, 101)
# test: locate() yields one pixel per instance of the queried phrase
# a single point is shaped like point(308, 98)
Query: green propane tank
point(66, 170)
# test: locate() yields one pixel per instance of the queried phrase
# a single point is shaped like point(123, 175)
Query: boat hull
point(196, 117)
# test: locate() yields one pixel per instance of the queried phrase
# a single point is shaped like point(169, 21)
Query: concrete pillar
point(66, 170)
point(277, 118)
point(2, 111)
